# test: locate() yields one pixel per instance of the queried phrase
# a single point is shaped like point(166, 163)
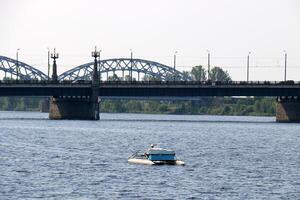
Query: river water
point(226, 157)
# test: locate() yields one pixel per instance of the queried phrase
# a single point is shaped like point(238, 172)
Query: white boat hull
point(149, 162)
point(141, 161)
point(179, 162)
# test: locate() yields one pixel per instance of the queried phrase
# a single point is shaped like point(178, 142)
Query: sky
point(154, 30)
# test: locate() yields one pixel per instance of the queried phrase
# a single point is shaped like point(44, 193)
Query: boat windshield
point(139, 155)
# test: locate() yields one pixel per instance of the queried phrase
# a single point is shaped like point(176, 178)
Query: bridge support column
point(81, 108)
point(288, 109)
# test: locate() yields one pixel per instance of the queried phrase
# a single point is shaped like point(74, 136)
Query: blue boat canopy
point(160, 154)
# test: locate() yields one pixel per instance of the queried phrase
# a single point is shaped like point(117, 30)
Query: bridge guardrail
point(42, 82)
point(87, 82)
point(199, 83)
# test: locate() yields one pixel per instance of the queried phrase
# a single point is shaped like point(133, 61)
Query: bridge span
point(76, 93)
point(72, 96)
point(150, 89)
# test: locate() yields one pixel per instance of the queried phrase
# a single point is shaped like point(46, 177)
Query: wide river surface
point(226, 157)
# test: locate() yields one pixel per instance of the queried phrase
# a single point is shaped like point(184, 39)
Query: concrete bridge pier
point(80, 108)
point(288, 109)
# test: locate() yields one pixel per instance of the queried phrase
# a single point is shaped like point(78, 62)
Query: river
point(226, 157)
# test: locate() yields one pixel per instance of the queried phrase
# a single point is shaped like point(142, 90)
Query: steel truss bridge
point(13, 69)
point(77, 82)
point(76, 96)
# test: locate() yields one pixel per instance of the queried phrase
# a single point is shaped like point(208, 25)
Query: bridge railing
point(199, 83)
point(87, 82)
point(42, 82)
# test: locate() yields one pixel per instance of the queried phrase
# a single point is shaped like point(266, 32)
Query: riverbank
point(203, 106)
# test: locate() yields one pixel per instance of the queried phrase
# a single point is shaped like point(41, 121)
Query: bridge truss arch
point(11, 68)
point(122, 67)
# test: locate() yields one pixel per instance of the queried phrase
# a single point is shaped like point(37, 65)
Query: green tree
point(257, 106)
point(186, 75)
point(4, 103)
point(20, 105)
point(151, 106)
point(148, 77)
point(163, 108)
point(114, 77)
point(198, 73)
point(127, 78)
point(133, 106)
point(226, 110)
point(218, 74)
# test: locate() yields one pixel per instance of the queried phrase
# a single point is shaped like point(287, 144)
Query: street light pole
point(285, 64)
point(175, 65)
point(248, 63)
point(100, 65)
point(131, 55)
point(17, 67)
point(208, 64)
point(48, 64)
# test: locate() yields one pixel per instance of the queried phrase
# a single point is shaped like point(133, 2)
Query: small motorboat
point(155, 156)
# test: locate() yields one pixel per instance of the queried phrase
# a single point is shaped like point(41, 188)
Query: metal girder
point(24, 71)
point(153, 69)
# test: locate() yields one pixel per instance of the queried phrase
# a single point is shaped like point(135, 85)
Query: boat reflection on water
point(155, 156)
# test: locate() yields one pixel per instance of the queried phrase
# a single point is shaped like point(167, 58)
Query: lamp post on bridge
point(48, 64)
point(99, 71)
point(131, 55)
point(95, 54)
point(208, 64)
point(285, 64)
point(17, 65)
point(248, 63)
point(54, 56)
point(174, 76)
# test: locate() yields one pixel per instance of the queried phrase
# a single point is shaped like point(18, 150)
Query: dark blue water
point(226, 157)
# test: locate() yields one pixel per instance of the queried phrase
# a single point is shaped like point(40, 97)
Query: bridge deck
point(150, 89)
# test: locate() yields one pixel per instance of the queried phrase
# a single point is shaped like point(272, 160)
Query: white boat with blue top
point(156, 156)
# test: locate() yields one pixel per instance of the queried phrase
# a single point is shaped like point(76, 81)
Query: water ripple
point(227, 157)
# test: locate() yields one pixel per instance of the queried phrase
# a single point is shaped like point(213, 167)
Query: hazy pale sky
point(155, 29)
